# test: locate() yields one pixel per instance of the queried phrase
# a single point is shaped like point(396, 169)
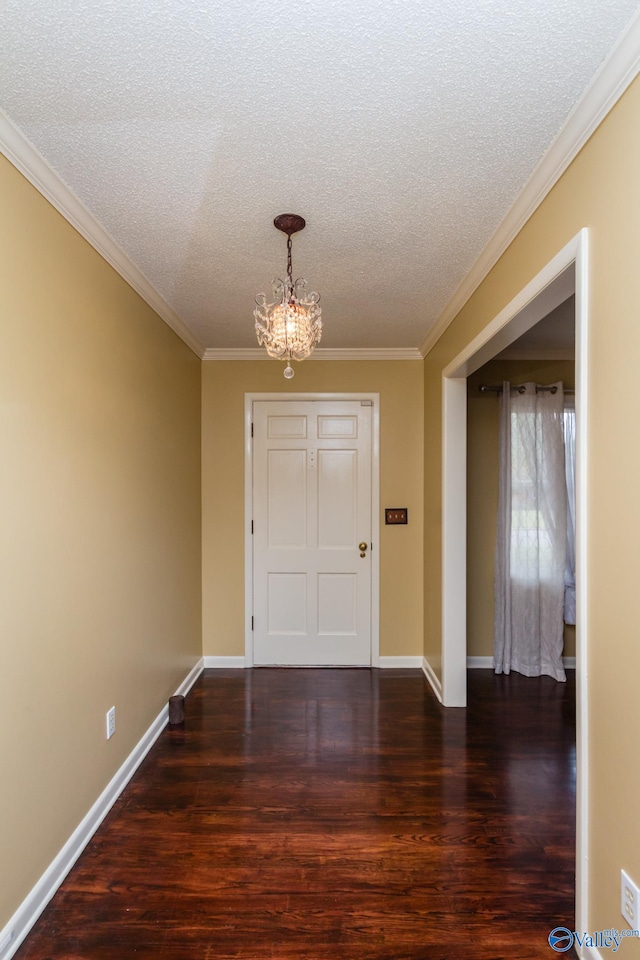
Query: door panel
point(337, 499)
point(287, 428)
point(287, 499)
point(287, 604)
point(311, 509)
point(334, 428)
point(337, 604)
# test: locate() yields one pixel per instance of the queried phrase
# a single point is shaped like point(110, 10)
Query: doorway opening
point(565, 275)
point(536, 530)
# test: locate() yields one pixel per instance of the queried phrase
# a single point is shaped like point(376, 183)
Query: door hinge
point(252, 623)
point(252, 528)
point(251, 429)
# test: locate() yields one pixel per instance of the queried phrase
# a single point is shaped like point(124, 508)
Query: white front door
point(311, 512)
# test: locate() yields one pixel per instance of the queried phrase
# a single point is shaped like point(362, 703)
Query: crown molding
point(234, 353)
point(616, 73)
point(32, 165)
point(322, 353)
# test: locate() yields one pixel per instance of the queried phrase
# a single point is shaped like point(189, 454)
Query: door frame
point(249, 399)
point(565, 274)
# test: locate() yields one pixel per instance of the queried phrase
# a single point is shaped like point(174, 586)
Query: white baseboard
point(479, 663)
point(400, 663)
point(432, 679)
point(385, 663)
point(36, 900)
point(189, 681)
point(588, 953)
point(486, 663)
point(224, 663)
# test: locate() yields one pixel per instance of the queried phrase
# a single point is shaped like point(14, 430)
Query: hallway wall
point(600, 191)
point(224, 385)
point(100, 551)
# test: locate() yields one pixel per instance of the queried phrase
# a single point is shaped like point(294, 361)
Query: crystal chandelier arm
point(300, 292)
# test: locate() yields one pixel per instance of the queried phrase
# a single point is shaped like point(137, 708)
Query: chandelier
point(289, 327)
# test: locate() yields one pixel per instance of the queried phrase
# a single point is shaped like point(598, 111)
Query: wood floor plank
point(344, 814)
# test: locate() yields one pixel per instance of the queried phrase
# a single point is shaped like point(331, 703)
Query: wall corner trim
point(18, 927)
point(616, 73)
point(432, 679)
point(32, 165)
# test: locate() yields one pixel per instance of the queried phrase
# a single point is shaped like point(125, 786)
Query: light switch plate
point(396, 515)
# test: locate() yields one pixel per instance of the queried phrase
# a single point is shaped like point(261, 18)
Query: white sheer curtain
point(531, 540)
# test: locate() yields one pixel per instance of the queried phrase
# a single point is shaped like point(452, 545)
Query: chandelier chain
point(289, 265)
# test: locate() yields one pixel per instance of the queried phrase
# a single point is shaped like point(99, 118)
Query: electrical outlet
point(111, 722)
point(629, 900)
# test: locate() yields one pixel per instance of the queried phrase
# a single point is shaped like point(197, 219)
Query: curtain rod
point(483, 388)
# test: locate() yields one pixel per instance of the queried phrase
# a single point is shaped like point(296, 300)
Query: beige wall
point(482, 490)
point(600, 191)
point(224, 385)
point(100, 549)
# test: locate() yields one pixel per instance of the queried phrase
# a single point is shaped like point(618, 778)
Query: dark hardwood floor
point(316, 814)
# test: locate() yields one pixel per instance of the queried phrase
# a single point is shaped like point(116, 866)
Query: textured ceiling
point(401, 130)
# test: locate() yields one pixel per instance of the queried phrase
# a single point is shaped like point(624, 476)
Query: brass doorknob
point(363, 548)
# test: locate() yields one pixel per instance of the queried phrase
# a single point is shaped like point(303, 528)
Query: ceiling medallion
point(289, 327)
